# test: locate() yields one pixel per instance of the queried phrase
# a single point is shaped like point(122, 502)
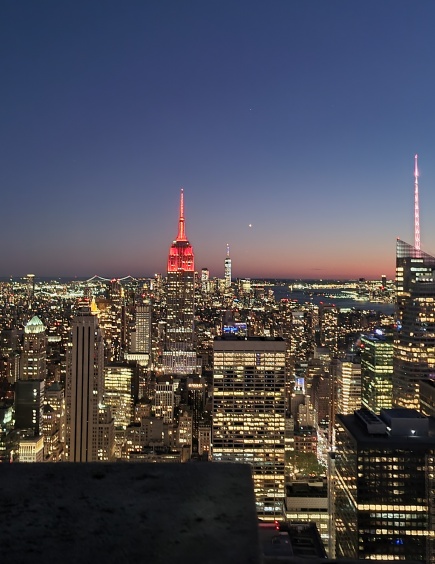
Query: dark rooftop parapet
point(128, 513)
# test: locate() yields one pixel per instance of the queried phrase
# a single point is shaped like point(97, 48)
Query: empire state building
point(179, 357)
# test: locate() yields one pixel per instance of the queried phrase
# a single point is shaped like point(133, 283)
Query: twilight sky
point(300, 117)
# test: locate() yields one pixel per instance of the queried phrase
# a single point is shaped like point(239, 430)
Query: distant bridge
point(97, 277)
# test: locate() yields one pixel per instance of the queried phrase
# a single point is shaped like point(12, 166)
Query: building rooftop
point(401, 428)
point(35, 325)
point(400, 413)
point(291, 543)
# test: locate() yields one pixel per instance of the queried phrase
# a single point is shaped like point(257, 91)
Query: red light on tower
point(181, 255)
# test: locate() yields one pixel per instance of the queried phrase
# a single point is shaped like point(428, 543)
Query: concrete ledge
point(135, 513)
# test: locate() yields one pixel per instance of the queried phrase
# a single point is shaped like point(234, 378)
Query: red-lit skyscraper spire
point(181, 256)
point(179, 356)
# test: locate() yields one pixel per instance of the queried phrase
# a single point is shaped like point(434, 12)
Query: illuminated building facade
point(141, 337)
point(205, 280)
point(6, 426)
point(328, 322)
point(178, 356)
point(306, 502)
point(55, 399)
point(31, 449)
point(50, 433)
point(384, 486)
point(249, 413)
point(197, 388)
point(111, 312)
point(33, 356)
point(348, 376)
point(105, 434)
point(377, 371)
point(118, 392)
point(204, 440)
point(164, 400)
point(84, 388)
point(414, 343)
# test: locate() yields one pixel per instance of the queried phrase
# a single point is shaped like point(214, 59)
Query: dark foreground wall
point(127, 513)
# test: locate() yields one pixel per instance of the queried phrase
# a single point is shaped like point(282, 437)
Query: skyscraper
point(84, 388)
point(119, 392)
point(377, 370)
point(33, 356)
point(348, 376)
point(228, 269)
point(249, 413)
point(141, 334)
point(205, 280)
point(414, 343)
point(29, 403)
point(143, 327)
point(179, 357)
point(384, 484)
point(328, 323)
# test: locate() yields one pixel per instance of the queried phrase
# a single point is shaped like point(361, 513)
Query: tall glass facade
point(377, 371)
point(414, 343)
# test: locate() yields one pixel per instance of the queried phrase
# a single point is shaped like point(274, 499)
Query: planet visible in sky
point(250, 225)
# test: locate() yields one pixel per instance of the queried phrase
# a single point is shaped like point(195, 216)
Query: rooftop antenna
point(181, 229)
point(416, 207)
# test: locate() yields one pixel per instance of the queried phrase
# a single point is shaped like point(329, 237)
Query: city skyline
point(292, 129)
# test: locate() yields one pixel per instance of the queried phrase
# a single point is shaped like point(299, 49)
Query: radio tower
point(416, 207)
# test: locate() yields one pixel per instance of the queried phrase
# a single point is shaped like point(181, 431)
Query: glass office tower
point(414, 343)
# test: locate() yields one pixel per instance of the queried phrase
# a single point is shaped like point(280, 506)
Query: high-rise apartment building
point(384, 486)
point(249, 413)
point(179, 357)
point(84, 388)
point(414, 343)
point(34, 353)
point(377, 370)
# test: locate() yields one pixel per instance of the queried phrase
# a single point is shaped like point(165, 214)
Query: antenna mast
point(416, 207)
point(181, 229)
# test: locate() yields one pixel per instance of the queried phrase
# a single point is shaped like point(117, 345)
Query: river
point(282, 292)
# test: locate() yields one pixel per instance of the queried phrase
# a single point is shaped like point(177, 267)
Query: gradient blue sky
point(301, 118)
